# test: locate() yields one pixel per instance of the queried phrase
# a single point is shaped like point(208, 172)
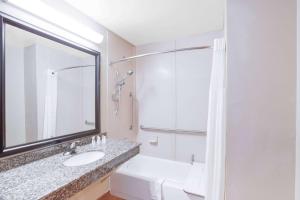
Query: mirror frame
point(6, 151)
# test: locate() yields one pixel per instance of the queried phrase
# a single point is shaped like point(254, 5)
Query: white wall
point(70, 98)
point(30, 83)
point(260, 141)
point(15, 100)
point(26, 91)
point(172, 93)
point(155, 86)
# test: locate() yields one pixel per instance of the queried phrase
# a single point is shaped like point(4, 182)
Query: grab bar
point(89, 123)
point(180, 131)
point(131, 125)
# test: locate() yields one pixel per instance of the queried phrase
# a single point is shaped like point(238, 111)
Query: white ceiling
point(148, 21)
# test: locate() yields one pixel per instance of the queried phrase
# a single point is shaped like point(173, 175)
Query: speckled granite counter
point(48, 178)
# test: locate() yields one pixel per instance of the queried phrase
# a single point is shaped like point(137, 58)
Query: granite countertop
point(48, 178)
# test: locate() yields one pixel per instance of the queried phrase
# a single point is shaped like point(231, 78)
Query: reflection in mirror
point(49, 88)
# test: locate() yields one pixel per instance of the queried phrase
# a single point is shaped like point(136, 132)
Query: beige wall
point(261, 99)
point(118, 125)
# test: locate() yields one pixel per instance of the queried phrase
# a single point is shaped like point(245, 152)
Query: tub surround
point(48, 178)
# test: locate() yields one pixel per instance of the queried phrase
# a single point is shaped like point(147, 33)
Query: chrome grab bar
point(89, 123)
point(131, 125)
point(179, 131)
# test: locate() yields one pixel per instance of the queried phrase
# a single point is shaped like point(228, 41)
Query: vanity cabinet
point(93, 191)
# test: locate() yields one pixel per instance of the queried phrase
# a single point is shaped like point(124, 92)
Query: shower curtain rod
point(159, 52)
point(73, 67)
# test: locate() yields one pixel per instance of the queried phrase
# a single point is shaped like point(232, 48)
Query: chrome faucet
point(72, 149)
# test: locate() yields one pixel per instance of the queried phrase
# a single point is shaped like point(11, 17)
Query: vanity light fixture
point(41, 9)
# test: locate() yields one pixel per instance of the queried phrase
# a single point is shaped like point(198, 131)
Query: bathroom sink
point(84, 158)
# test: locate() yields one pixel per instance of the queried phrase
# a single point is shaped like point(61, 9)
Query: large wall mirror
point(49, 89)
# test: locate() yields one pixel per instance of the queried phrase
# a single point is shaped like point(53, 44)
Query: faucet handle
point(192, 158)
point(72, 149)
point(73, 144)
point(93, 141)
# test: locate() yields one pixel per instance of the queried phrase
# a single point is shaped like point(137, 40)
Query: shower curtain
point(50, 105)
point(215, 151)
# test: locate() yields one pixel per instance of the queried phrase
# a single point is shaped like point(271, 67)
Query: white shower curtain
point(50, 105)
point(215, 150)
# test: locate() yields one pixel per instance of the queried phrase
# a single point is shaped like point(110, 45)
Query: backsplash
point(17, 160)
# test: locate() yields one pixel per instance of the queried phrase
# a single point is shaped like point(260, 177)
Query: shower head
point(129, 72)
point(122, 81)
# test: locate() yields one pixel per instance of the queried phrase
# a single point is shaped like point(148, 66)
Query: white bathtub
point(149, 178)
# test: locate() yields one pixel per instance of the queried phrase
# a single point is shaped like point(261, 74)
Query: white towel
point(50, 105)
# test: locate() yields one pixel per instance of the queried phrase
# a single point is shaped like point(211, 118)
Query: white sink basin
point(84, 158)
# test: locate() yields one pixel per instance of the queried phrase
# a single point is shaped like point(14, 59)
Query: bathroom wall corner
point(118, 125)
